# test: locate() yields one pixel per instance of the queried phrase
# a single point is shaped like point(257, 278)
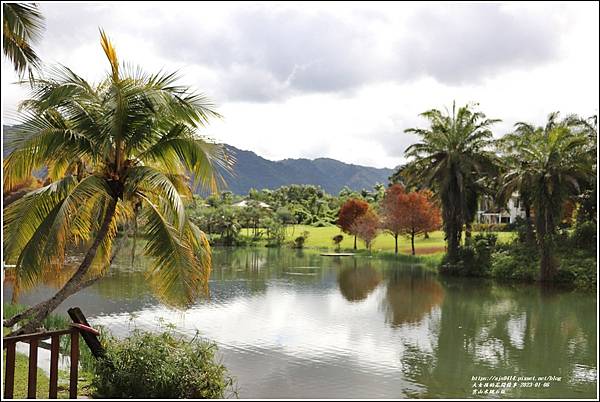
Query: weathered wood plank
point(54, 349)
point(74, 364)
point(32, 378)
point(90, 338)
point(9, 376)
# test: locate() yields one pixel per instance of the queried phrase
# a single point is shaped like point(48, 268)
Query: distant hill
point(253, 171)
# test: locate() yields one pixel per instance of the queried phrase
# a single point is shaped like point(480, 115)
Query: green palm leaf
point(22, 26)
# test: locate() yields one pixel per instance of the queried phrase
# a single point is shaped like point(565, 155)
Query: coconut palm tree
point(22, 26)
point(516, 176)
point(113, 150)
point(451, 158)
point(554, 164)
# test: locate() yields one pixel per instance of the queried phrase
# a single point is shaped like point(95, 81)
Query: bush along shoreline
point(161, 365)
point(145, 364)
point(519, 261)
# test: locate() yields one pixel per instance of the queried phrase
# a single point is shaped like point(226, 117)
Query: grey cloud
point(464, 43)
point(265, 53)
point(294, 52)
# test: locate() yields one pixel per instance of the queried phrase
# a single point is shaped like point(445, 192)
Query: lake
point(294, 324)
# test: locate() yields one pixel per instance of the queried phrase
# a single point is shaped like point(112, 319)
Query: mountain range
point(254, 171)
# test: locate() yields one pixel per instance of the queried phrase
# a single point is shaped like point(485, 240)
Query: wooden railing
point(10, 344)
point(80, 326)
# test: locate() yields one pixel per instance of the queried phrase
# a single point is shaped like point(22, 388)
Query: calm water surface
point(293, 324)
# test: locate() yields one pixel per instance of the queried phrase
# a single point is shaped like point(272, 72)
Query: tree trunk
point(396, 241)
point(529, 236)
point(355, 242)
point(548, 265)
point(39, 312)
point(452, 229)
point(545, 237)
point(412, 241)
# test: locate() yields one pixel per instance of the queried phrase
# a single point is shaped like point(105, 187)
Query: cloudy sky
point(340, 80)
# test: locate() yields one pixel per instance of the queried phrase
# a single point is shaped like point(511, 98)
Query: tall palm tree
point(588, 127)
point(22, 26)
point(554, 163)
point(451, 158)
point(112, 150)
point(516, 175)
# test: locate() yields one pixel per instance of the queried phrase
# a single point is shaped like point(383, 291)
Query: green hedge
point(147, 365)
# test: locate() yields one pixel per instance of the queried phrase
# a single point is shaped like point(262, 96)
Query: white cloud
point(341, 81)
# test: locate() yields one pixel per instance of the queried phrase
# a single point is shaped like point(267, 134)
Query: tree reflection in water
point(412, 293)
point(488, 329)
point(357, 282)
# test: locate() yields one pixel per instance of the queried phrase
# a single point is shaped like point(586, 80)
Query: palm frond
point(180, 261)
point(22, 26)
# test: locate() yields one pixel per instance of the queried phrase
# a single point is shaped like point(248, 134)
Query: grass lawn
point(322, 238)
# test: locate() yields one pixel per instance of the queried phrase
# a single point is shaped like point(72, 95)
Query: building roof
point(244, 204)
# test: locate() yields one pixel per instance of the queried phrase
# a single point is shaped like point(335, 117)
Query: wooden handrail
point(79, 327)
point(36, 335)
point(85, 328)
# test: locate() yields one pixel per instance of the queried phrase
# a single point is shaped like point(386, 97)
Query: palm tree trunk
point(452, 229)
point(529, 226)
point(548, 264)
point(39, 312)
point(545, 235)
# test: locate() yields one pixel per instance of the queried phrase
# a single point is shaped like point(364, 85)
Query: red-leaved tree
point(422, 216)
point(393, 213)
point(367, 227)
point(350, 211)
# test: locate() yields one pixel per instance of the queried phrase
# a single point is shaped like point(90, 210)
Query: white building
point(489, 212)
point(244, 204)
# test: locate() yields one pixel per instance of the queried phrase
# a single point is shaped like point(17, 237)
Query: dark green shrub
point(580, 269)
point(300, 240)
point(514, 265)
point(585, 235)
point(147, 365)
point(337, 240)
point(474, 260)
point(521, 227)
point(491, 227)
point(463, 267)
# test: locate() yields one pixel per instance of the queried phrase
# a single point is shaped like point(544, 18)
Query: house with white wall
point(489, 212)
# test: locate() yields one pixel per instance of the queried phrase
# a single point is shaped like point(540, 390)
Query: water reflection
point(411, 294)
point(493, 330)
point(291, 323)
point(356, 283)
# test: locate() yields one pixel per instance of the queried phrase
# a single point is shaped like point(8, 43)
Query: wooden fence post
point(54, 350)
point(9, 376)
point(32, 379)
point(74, 364)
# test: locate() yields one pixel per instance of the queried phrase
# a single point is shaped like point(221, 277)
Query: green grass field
point(322, 238)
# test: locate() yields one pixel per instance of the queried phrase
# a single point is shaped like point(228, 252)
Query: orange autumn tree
point(350, 211)
point(421, 215)
point(393, 212)
point(367, 227)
